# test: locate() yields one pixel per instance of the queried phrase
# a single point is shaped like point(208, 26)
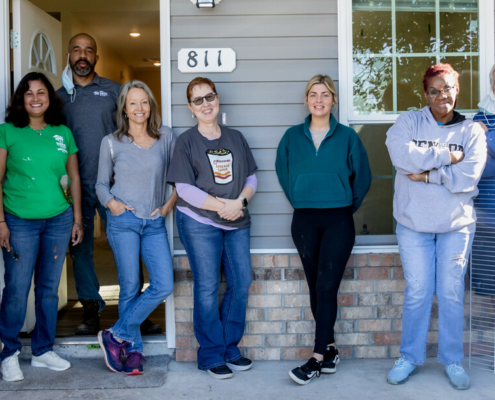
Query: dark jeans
point(129, 236)
point(41, 245)
point(87, 284)
point(324, 240)
point(208, 248)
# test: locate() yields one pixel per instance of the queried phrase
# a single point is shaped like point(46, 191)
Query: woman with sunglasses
point(439, 157)
point(214, 173)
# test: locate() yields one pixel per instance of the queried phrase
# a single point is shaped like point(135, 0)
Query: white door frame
point(166, 86)
point(4, 58)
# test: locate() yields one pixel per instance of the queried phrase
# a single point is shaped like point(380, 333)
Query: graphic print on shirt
point(434, 143)
point(222, 165)
point(60, 143)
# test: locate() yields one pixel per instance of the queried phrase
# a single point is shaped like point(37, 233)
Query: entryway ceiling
point(111, 21)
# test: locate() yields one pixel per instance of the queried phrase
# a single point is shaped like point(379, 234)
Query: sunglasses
point(199, 100)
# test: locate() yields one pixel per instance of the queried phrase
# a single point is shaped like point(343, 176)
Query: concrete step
point(88, 347)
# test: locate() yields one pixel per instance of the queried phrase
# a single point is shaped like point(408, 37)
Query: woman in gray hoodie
point(439, 157)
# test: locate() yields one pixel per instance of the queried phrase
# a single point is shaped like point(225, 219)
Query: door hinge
point(14, 39)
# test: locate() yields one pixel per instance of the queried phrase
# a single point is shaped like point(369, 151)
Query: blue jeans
point(433, 264)
point(129, 236)
point(208, 248)
point(87, 284)
point(41, 245)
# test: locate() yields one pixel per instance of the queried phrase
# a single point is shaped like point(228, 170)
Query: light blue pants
point(433, 263)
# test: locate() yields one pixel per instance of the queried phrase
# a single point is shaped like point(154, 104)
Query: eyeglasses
point(209, 98)
point(433, 93)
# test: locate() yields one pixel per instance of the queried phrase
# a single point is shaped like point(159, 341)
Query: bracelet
point(427, 177)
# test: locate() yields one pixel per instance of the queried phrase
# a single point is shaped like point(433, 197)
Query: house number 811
point(193, 62)
point(206, 60)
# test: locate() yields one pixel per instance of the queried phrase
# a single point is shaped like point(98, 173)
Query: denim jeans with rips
point(41, 245)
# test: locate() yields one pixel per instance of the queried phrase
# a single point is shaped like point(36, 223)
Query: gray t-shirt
point(90, 117)
point(139, 174)
point(219, 167)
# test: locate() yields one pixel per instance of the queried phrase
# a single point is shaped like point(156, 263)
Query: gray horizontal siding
point(256, 7)
point(280, 45)
point(280, 48)
point(267, 71)
point(242, 26)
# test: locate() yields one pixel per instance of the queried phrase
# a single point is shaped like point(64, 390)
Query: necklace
point(487, 123)
point(40, 131)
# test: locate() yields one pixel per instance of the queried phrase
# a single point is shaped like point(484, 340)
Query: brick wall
point(279, 323)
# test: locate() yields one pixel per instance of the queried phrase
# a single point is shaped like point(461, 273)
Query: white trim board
point(382, 249)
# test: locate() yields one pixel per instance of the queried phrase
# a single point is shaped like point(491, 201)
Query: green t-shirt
point(35, 164)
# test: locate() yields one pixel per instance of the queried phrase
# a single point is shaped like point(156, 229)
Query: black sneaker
point(241, 364)
point(330, 361)
point(221, 372)
point(90, 324)
point(305, 373)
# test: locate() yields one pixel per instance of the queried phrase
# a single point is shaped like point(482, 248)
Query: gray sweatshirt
point(139, 174)
point(416, 144)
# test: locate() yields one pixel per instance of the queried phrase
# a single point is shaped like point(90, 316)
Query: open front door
point(37, 46)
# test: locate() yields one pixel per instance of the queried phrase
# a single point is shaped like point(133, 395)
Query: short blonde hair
point(154, 121)
point(324, 80)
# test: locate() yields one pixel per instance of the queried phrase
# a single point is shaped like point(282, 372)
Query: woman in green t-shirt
point(37, 220)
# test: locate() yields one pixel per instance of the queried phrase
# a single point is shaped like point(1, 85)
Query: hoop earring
point(125, 115)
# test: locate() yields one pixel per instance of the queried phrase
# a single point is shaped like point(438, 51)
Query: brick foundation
point(279, 323)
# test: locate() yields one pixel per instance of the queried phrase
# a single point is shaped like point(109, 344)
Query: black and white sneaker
point(305, 373)
point(241, 364)
point(330, 361)
point(221, 372)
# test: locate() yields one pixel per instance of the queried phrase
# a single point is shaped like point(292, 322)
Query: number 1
point(219, 58)
point(206, 58)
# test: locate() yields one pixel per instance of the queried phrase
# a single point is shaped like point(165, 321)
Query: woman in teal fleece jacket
point(323, 169)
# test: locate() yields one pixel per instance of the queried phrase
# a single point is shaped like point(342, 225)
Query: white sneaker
point(50, 360)
point(11, 371)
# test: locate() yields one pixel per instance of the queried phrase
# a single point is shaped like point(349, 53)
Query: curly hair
point(440, 69)
point(16, 112)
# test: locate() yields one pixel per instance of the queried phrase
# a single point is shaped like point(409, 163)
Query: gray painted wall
point(280, 45)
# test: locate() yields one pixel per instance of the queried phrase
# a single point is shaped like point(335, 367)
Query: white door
point(37, 47)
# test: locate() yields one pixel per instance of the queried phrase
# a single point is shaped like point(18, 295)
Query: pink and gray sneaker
point(113, 351)
point(134, 364)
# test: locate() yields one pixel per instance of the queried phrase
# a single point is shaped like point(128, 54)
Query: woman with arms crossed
point(439, 157)
point(137, 156)
point(323, 169)
point(213, 170)
point(36, 219)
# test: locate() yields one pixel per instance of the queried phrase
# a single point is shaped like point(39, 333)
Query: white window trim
point(486, 37)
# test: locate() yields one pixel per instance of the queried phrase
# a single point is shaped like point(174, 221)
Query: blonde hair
point(154, 121)
point(321, 80)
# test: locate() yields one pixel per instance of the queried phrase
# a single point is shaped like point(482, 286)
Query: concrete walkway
point(356, 380)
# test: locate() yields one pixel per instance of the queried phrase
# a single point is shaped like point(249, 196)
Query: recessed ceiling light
point(157, 64)
point(135, 34)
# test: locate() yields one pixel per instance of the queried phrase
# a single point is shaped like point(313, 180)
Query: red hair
point(198, 82)
point(440, 69)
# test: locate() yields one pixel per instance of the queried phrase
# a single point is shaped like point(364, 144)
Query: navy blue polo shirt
point(90, 117)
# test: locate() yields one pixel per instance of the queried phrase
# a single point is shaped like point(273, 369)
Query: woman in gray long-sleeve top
point(137, 156)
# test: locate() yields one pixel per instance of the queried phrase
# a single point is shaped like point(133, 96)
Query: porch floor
point(355, 379)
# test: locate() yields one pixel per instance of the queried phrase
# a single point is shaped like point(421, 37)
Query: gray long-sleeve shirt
point(416, 144)
point(139, 174)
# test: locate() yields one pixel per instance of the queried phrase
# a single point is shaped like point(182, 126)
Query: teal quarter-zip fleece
point(336, 175)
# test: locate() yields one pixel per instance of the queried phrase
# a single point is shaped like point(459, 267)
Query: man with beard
point(90, 103)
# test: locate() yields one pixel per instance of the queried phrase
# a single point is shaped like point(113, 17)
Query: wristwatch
point(244, 202)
